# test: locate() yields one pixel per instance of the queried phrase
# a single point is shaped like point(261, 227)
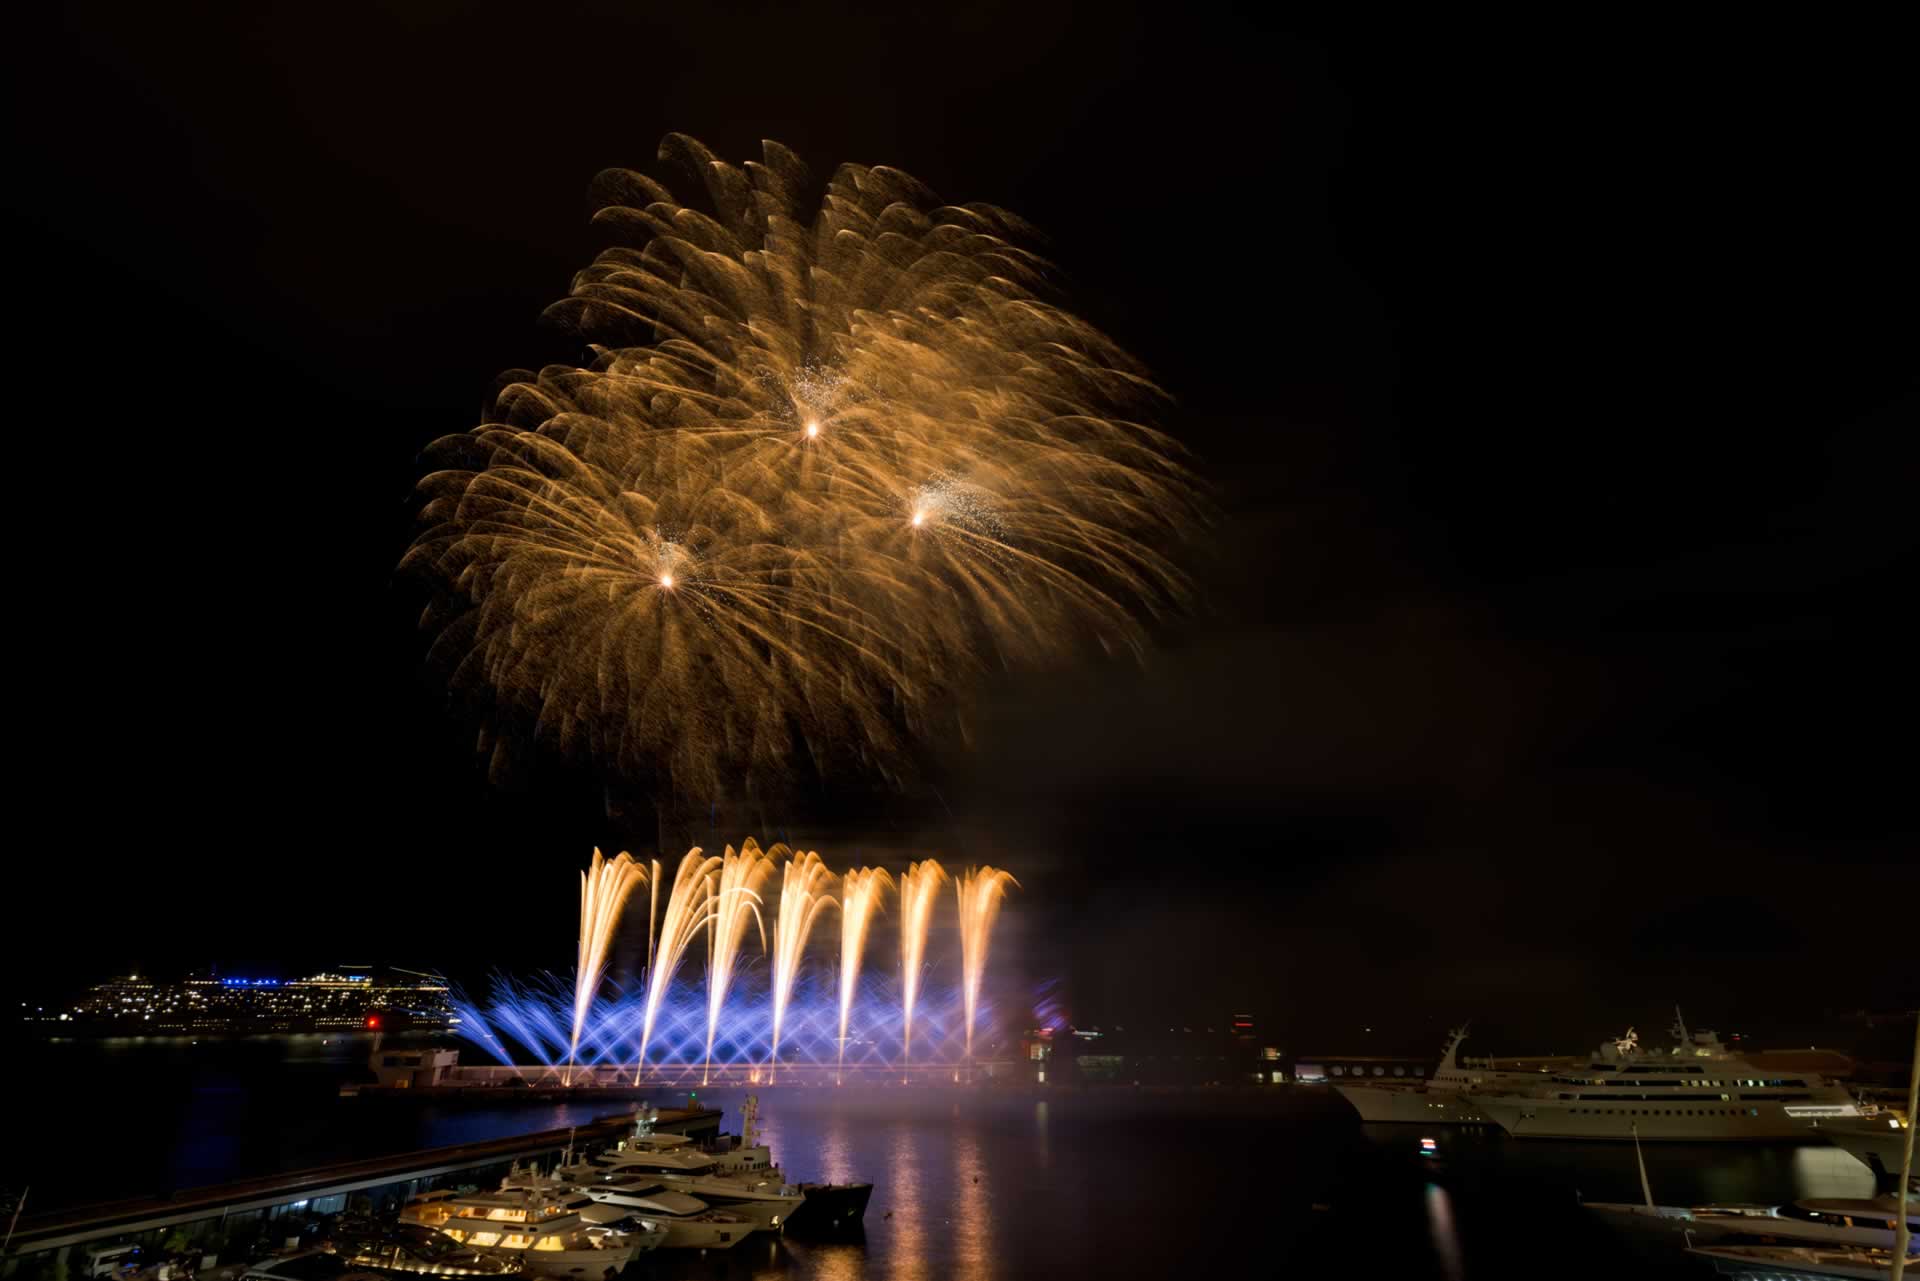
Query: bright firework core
point(748, 1018)
point(666, 580)
point(813, 429)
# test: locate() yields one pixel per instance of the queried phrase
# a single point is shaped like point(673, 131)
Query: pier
point(438, 1074)
point(227, 1216)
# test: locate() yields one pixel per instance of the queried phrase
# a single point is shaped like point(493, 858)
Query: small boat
point(1870, 1223)
point(1800, 1263)
point(831, 1207)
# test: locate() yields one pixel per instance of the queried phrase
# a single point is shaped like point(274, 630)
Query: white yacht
point(542, 1227)
point(639, 1201)
point(409, 1247)
point(1442, 1098)
point(1800, 1263)
point(1697, 1091)
point(690, 1222)
point(1848, 1223)
point(743, 1181)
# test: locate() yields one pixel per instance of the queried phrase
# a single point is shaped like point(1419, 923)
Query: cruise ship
point(1697, 1091)
point(1442, 1099)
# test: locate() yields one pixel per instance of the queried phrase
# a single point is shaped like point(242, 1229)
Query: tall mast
point(1904, 1237)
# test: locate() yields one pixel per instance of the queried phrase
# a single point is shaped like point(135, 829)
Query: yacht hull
point(1872, 1142)
point(1681, 1226)
point(685, 1235)
point(1792, 1263)
point(1385, 1105)
point(1722, 1123)
point(832, 1207)
point(577, 1265)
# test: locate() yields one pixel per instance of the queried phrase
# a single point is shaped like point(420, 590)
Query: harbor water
point(982, 1184)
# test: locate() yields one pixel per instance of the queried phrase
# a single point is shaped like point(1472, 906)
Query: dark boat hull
point(831, 1207)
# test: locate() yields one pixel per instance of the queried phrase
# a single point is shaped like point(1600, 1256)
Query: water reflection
point(973, 1217)
point(1446, 1237)
point(1042, 1155)
point(836, 1151)
point(906, 1202)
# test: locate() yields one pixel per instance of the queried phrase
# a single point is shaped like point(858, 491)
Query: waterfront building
point(345, 999)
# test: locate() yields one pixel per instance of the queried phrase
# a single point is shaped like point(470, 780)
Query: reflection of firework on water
point(822, 470)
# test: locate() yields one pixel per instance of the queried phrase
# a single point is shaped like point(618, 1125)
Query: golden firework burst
point(821, 471)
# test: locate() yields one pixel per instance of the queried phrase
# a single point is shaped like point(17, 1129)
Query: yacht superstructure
point(1442, 1098)
point(690, 1222)
point(1696, 1091)
point(541, 1226)
point(743, 1181)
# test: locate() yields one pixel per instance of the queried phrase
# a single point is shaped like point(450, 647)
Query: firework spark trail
point(980, 892)
point(736, 900)
point(604, 888)
point(860, 892)
point(825, 468)
point(803, 896)
point(689, 909)
point(919, 891)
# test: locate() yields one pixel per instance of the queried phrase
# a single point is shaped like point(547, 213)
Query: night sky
point(1558, 388)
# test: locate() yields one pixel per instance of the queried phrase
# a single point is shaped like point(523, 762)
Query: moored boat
point(1697, 1091)
point(1799, 1263)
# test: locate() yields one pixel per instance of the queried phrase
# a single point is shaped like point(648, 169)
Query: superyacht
point(742, 1181)
point(1697, 1091)
point(542, 1227)
point(681, 1221)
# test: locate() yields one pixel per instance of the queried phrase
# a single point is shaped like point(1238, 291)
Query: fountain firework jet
point(689, 908)
point(919, 889)
point(825, 468)
point(736, 900)
point(980, 891)
point(860, 892)
point(604, 888)
point(803, 896)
